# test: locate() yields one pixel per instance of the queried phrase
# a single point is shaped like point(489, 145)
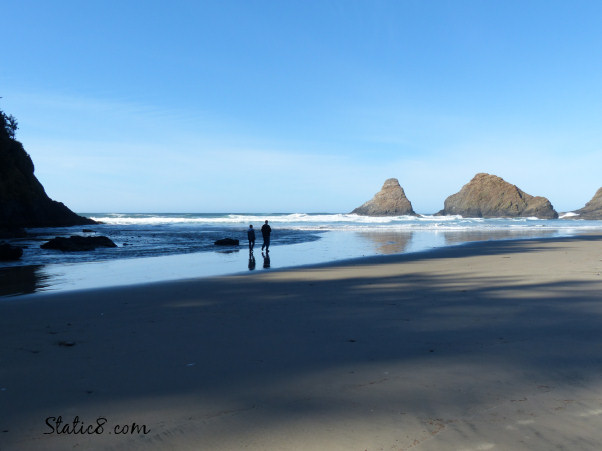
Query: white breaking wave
point(348, 222)
point(140, 219)
point(569, 214)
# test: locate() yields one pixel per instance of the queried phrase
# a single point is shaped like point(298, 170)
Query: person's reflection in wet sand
point(251, 260)
point(266, 260)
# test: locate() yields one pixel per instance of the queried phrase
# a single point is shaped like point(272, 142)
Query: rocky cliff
point(23, 201)
point(489, 196)
point(592, 209)
point(391, 200)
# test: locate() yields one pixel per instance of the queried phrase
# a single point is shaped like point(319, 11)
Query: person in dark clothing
point(251, 236)
point(265, 232)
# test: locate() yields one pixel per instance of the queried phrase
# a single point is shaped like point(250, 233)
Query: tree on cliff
point(8, 125)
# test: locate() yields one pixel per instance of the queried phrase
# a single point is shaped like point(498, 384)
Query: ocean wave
point(341, 221)
point(145, 219)
point(304, 222)
point(568, 214)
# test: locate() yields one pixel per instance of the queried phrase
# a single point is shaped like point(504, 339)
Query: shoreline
point(488, 345)
point(332, 248)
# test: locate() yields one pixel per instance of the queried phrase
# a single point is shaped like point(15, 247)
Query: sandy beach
point(492, 345)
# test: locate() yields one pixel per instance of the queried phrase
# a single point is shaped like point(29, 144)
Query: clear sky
point(302, 106)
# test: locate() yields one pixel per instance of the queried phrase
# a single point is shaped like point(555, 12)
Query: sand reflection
point(463, 236)
point(388, 242)
point(22, 280)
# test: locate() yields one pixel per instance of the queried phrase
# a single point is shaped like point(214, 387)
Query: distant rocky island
point(391, 200)
point(23, 201)
point(490, 196)
point(592, 209)
point(485, 196)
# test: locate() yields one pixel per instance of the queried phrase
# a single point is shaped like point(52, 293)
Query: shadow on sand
point(288, 347)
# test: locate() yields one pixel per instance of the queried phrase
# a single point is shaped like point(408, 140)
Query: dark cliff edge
point(23, 201)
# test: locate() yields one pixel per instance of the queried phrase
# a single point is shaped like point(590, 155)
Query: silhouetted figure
point(266, 259)
point(265, 233)
point(251, 236)
point(251, 261)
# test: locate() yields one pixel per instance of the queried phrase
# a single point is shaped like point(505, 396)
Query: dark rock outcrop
point(23, 201)
point(78, 243)
point(9, 252)
point(489, 196)
point(592, 209)
point(226, 242)
point(391, 200)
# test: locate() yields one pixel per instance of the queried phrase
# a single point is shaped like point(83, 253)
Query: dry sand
point(487, 346)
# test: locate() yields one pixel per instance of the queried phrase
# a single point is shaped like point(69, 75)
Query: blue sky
point(303, 106)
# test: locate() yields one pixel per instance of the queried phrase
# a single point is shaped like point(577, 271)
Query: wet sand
point(493, 345)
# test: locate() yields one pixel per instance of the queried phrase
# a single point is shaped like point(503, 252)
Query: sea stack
point(593, 209)
point(391, 200)
point(490, 196)
point(23, 201)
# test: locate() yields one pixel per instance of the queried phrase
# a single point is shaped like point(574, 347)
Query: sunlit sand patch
point(525, 422)
point(480, 447)
point(590, 413)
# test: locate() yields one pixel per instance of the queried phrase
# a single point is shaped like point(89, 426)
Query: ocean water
point(155, 247)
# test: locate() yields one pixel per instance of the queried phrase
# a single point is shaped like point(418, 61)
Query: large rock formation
point(10, 252)
point(391, 200)
point(226, 242)
point(23, 201)
point(489, 196)
point(76, 243)
point(593, 209)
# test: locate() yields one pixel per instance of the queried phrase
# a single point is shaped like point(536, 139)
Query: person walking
point(266, 230)
point(251, 237)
